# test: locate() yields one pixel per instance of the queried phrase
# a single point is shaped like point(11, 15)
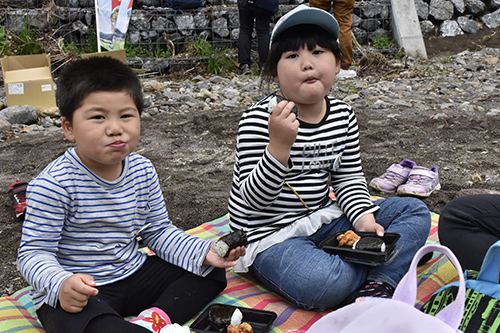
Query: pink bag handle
point(406, 291)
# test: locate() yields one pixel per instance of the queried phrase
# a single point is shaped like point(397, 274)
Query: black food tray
point(260, 320)
point(331, 245)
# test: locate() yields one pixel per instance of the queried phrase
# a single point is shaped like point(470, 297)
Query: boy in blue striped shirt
point(79, 248)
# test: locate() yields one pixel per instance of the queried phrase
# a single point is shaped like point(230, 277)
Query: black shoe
point(370, 289)
point(244, 70)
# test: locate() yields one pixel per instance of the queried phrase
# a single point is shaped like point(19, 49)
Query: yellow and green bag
point(482, 302)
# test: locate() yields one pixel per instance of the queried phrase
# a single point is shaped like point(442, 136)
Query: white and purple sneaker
point(421, 182)
point(396, 175)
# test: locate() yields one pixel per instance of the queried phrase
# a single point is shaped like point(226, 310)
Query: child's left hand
point(214, 260)
point(367, 223)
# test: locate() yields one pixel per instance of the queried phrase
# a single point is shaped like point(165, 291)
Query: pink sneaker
point(17, 194)
point(421, 182)
point(395, 175)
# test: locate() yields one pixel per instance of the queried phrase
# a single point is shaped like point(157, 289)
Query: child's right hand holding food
point(283, 128)
point(75, 292)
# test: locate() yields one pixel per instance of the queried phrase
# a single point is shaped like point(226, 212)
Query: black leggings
point(469, 225)
point(156, 284)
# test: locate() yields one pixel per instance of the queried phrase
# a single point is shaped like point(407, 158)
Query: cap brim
point(314, 16)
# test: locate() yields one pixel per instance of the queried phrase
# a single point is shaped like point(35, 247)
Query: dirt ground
point(193, 154)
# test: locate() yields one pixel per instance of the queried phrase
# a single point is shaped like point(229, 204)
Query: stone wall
point(446, 18)
point(155, 26)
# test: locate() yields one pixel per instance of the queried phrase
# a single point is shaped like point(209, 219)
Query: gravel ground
point(427, 113)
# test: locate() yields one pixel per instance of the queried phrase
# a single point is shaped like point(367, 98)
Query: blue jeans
point(314, 279)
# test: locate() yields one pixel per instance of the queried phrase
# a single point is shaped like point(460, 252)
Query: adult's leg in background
point(262, 20)
point(322, 4)
point(469, 225)
point(342, 10)
point(247, 17)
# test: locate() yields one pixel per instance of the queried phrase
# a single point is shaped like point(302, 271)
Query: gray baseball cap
point(306, 15)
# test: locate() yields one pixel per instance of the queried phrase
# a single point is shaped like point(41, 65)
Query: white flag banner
point(112, 18)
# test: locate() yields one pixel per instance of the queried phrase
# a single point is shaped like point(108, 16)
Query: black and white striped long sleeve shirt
point(267, 196)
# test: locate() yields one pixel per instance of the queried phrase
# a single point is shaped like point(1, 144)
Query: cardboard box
point(117, 54)
point(28, 80)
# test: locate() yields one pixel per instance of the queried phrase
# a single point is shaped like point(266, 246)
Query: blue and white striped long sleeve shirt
point(77, 222)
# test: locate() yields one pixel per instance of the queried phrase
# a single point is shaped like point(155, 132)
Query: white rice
point(272, 104)
point(237, 317)
point(221, 248)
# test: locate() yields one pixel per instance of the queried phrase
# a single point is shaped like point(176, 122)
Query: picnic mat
point(17, 312)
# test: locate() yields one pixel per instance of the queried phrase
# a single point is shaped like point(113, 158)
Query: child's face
point(305, 76)
point(106, 128)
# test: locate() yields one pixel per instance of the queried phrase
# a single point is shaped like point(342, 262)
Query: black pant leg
point(262, 21)
point(97, 316)
point(179, 293)
point(247, 17)
point(469, 225)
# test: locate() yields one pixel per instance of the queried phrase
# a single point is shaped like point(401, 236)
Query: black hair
point(95, 74)
point(292, 39)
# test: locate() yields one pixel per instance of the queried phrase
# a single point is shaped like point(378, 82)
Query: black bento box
point(260, 320)
point(331, 245)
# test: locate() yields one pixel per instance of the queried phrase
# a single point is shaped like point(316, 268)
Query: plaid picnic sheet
point(17, 313)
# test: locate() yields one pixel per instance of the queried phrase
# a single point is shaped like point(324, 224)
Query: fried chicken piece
point(348, 238)
point(241, 328)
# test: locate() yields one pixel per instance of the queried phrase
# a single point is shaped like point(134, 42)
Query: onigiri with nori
point(230, 241)
point(275, 100)
point(221, 316)
point(374, 244)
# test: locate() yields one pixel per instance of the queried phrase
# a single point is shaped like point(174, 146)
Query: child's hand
point(367, 223)
point(214, 260)
point(75, 291)
point(283, 128)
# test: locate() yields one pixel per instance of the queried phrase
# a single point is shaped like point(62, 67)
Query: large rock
point(20, 114)
point(4, 125)
point(441, 10)
point(422, 9)
point(450, 29)
point(468, 25)
point(459, 5)
point(475, 7)
point(492, 20)
point(428, 29)
point(185, 23)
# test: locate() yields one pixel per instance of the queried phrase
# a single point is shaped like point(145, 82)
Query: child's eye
point(129, 114)
point(292, 56)
point(97, 117)
point(318, 51)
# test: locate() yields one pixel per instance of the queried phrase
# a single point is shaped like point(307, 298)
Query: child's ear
point(67, 129)
point(337, 68)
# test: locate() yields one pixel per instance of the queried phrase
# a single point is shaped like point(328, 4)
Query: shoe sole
point(379, 189)
point(420, 195)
